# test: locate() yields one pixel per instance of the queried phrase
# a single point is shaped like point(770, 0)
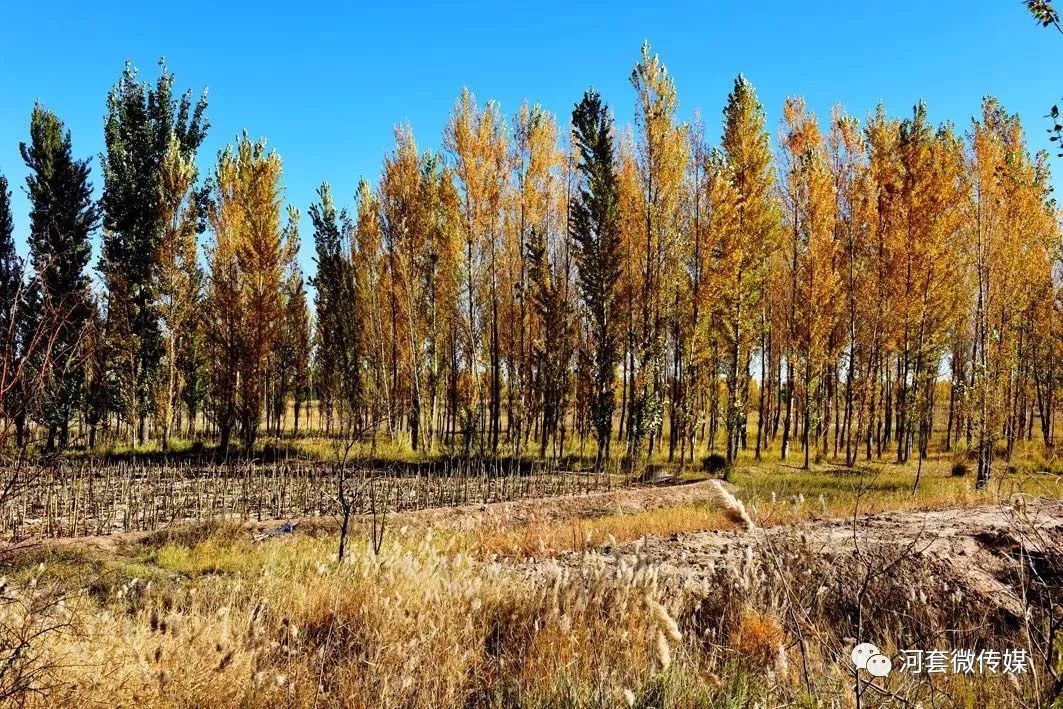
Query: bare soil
point(983, 550)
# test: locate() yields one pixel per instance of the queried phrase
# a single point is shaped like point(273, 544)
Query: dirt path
point(628, 500)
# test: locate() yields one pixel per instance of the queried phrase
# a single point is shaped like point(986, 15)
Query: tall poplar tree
point(180, 280)
point(595, 234)
point(143, 126)
point(251, 253)
point(476, 141)
point(63, 215)
point(339, 334)
point(539, 319)
point(405, 226)
point(814, 260)
point(661, 158)
point(10, 310)
point(745, 251)
point(1015, 239)
point(854, 216)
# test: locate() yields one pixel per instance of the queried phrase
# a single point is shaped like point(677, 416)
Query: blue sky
point(325, 83)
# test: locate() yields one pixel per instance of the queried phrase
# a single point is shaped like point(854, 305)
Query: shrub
point(757, 638)
point(713, 463)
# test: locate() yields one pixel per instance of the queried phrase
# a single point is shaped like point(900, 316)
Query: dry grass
point(437, 619)
point(232, 623)
point(773, 496)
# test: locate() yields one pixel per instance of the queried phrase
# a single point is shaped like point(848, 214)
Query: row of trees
point(531, 286)
point(167, 341)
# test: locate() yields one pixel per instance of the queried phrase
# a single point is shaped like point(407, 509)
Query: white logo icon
point(879, 665)
point(866, 656)
point(861, 654)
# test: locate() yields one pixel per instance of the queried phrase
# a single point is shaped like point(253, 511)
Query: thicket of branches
point(535, 284)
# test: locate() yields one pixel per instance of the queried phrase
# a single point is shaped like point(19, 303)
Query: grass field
point(468, 606)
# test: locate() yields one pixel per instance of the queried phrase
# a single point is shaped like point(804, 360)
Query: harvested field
point(89, 499)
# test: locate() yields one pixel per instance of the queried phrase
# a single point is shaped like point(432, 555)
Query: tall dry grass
point(226, 622)
point(445, 619)
point(236, 624)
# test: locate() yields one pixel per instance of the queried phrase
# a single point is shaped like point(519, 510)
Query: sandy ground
point(983, 548)
point(587, 506)
point(953, 533)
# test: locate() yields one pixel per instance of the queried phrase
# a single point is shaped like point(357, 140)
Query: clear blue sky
point(325, 83)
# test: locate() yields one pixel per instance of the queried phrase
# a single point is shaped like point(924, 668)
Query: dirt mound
point(989, 554)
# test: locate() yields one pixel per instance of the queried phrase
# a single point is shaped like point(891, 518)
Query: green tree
point(595, 233)
point(10, 299)
point(143, 126)
point(62, 217)
point(10, 272)
point(339, 342)
point(10, 264)
point(552, 347)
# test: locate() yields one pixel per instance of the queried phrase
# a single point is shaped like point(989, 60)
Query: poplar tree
point(661, 161)
point(720, 225)
point(814, 260)
point(689, 316)
point(475, 138)
point(11, 311)
point(10, 274)
point(179, 284)
point(370, 279)
point(551, 347)
point(538, 319)
point(252, 251)
point(595, 233)
point(405, 228)
point(1015, 235)
point(11, 267)
point(442, 316)
point(291, 353)
point(63, 216)
point(934, 244)
point(885, 176)
point(744, 252)
point(297, 342)
point(338, 325)
point(143, 126)
point(854, 216)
